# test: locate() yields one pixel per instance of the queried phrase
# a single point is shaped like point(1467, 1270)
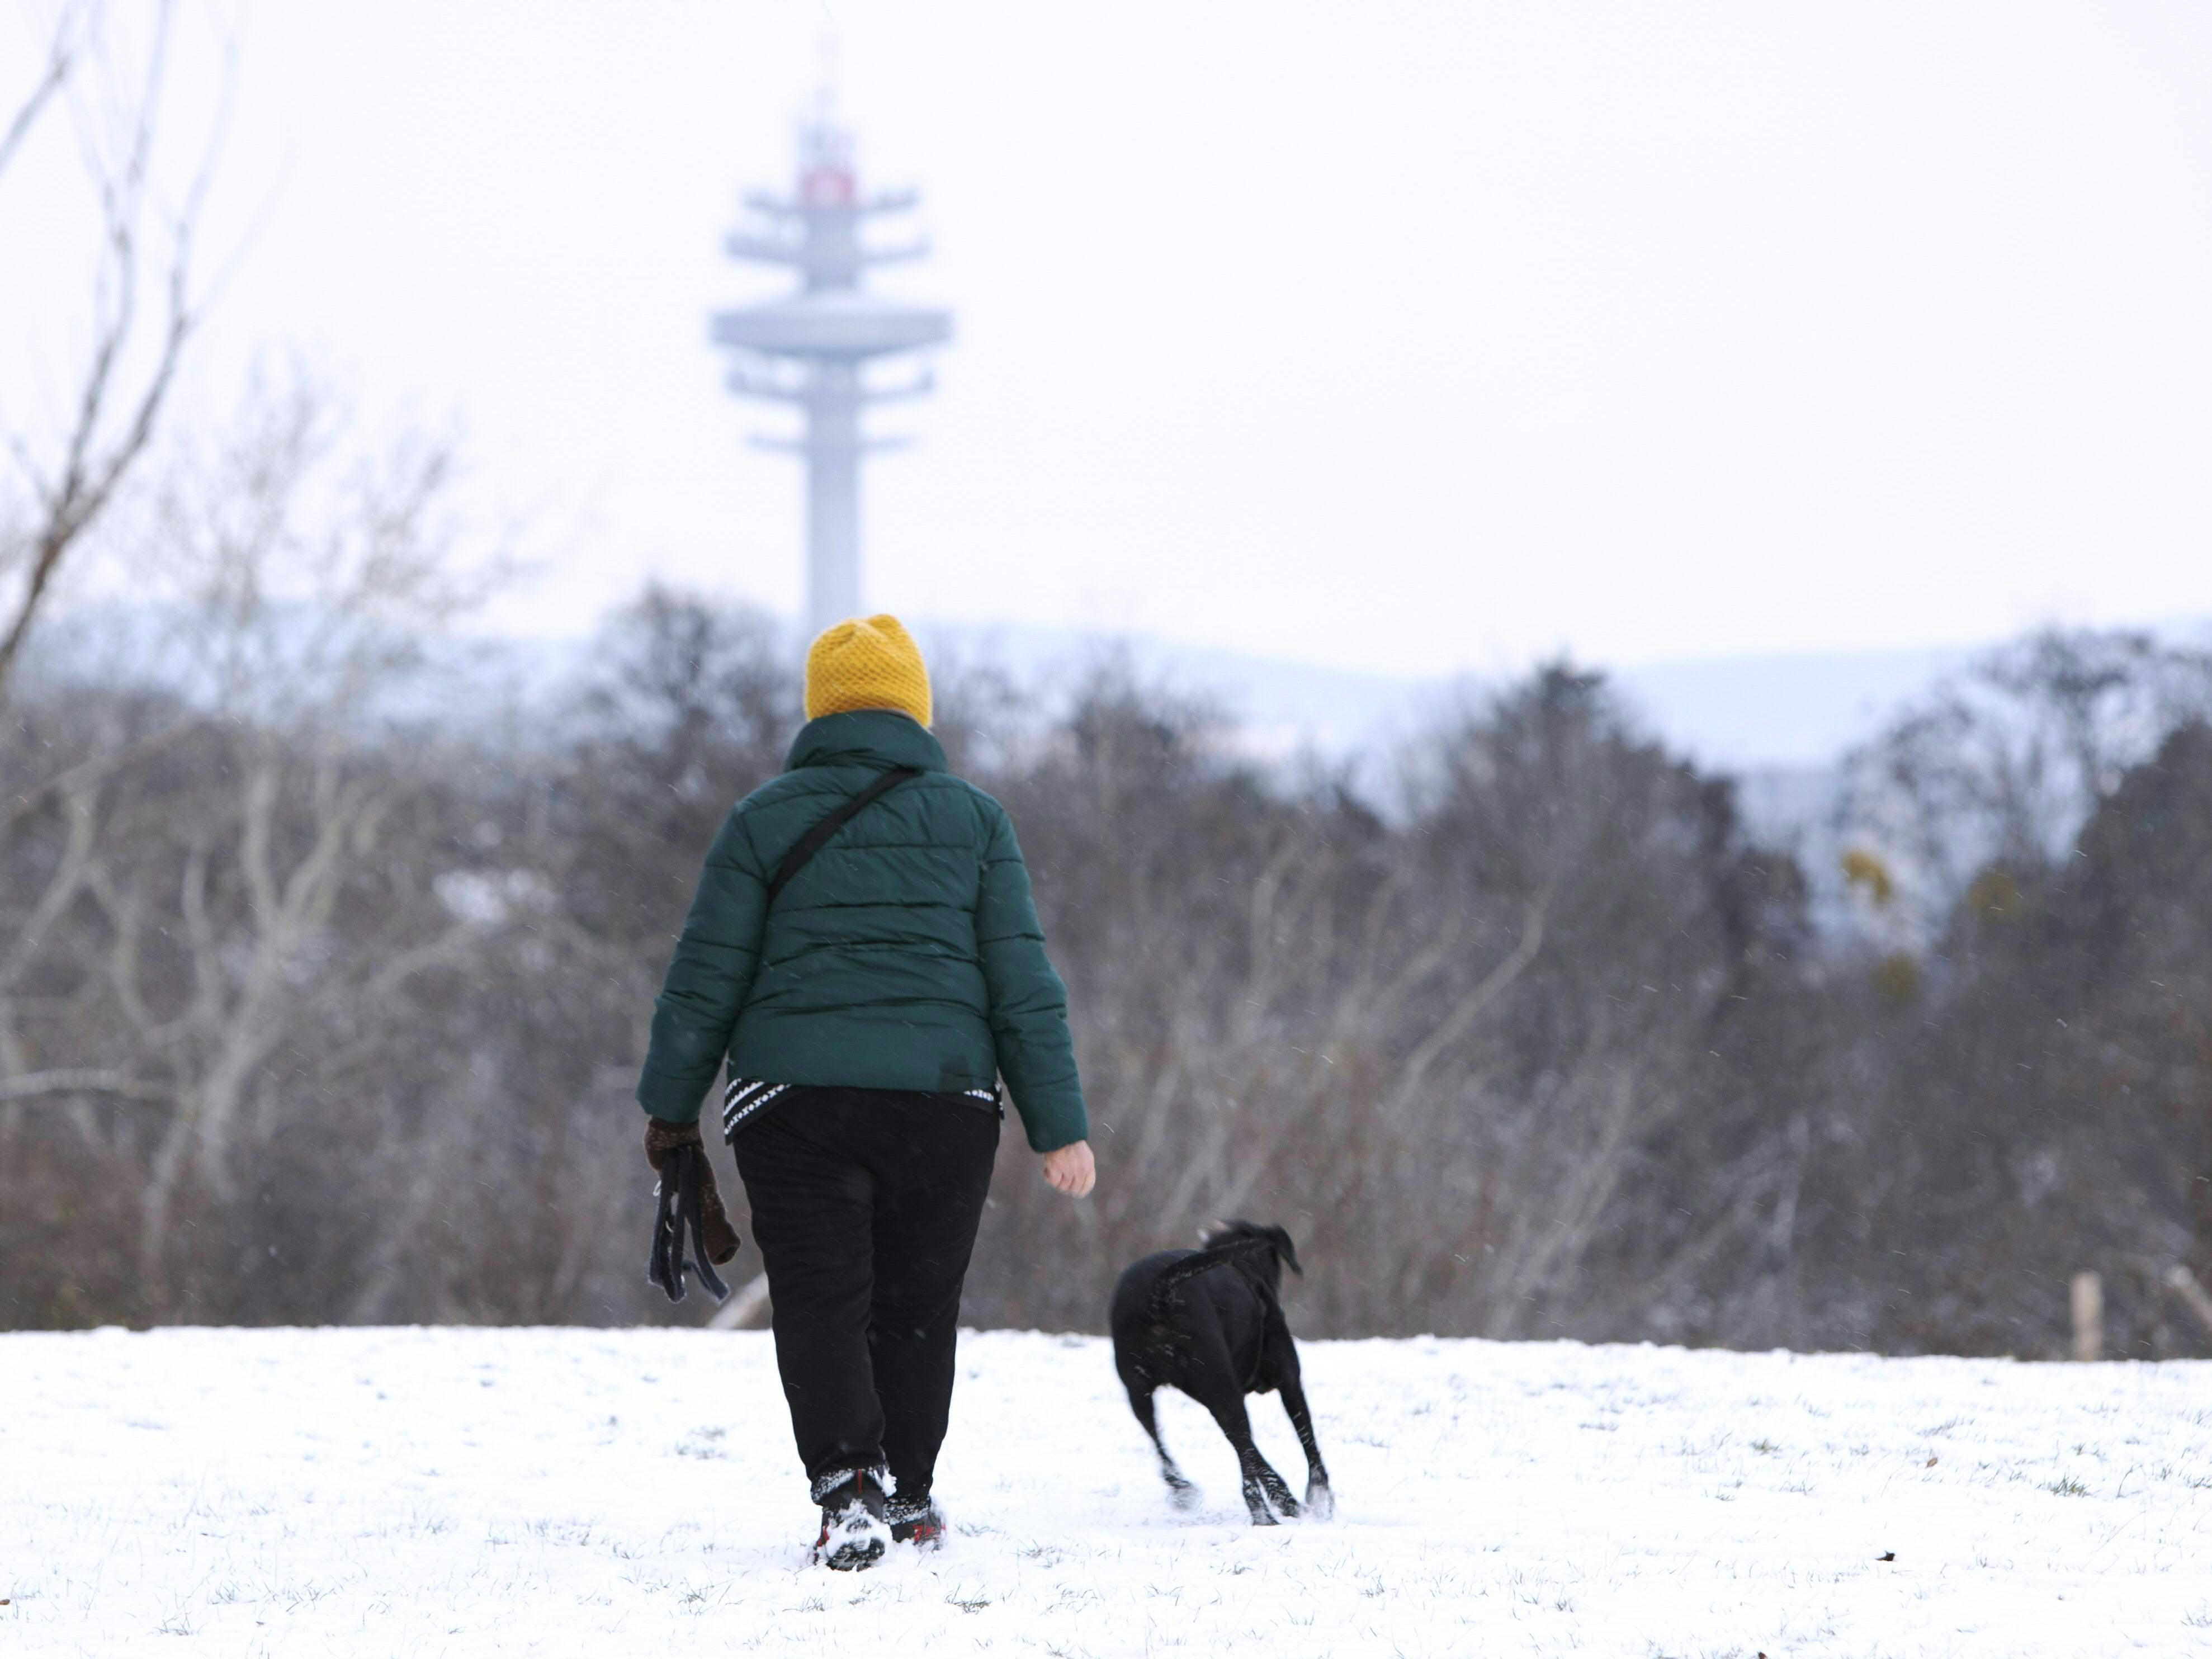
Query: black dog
point(1207, 1322)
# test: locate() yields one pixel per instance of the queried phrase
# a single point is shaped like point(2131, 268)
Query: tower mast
point(808, 348)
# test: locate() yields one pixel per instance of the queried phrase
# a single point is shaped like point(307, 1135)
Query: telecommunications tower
point(808, 348)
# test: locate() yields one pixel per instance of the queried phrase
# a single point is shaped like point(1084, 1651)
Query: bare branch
point(60, 64)
point(111, 428)
point(27, 801)
point(1454, 1024)
point(120, 1085)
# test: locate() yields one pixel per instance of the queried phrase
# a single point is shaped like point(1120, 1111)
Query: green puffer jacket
point(906, 955)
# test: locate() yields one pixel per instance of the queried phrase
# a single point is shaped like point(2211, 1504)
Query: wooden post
point(2088, 1317)
point(746, 1309)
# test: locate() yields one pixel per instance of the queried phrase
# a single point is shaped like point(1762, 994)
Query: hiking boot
point(853, 1534)
point(916, 1521)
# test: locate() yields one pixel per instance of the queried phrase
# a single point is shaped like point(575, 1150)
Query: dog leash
point(680, 1209)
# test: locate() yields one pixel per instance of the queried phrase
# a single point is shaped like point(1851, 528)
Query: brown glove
point(660, 1137)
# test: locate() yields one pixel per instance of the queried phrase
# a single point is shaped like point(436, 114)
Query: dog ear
point(1287, 1250)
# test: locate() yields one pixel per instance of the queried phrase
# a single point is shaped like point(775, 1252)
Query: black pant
point(865, 1204)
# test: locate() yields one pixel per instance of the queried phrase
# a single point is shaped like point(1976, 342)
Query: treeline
point(323, 976)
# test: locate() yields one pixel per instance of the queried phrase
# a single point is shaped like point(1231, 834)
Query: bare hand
point(1072, 1169)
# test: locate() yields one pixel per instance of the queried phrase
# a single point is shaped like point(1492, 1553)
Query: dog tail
point(1199, 1261)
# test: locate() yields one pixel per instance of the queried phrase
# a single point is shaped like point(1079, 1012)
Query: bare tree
point(190, 899)
point(1446, 1053)
point(144, 304)
point(2000, 766)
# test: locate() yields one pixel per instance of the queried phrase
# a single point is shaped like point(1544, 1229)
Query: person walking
point(868, 987)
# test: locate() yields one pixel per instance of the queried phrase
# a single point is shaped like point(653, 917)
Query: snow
point(577, 1491)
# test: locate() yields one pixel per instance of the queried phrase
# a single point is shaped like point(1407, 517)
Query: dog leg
point(1262, 1483)
point(1180, 1492)
point(1320, 1502)
point(1277, 1490)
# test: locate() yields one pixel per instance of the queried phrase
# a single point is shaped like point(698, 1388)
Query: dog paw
point(1320, 1504)
point(1265, 1517)
point(1185, 1498)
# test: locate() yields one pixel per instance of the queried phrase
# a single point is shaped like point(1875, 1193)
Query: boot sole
point(854, 1558)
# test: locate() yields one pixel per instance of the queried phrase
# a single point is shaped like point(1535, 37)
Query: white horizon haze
point(1412, 340)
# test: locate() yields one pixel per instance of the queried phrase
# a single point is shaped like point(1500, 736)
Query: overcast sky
point(1396, 337)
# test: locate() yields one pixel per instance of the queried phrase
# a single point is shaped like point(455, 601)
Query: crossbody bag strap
point(818, 837)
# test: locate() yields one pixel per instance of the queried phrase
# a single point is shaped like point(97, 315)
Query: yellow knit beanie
point(869, 663)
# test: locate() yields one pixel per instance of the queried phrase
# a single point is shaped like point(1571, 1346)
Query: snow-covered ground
point(576, 1492)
